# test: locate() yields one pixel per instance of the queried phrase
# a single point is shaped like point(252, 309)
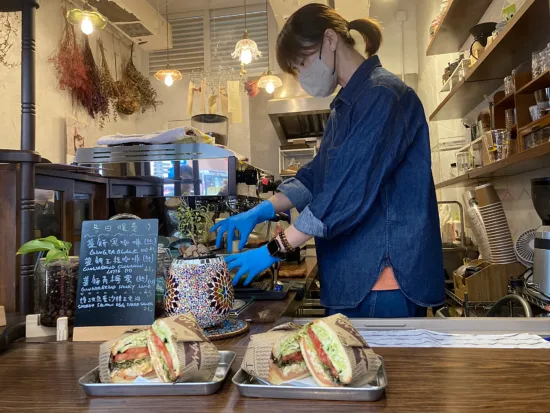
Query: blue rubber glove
point(244, 223)
point(251, 262)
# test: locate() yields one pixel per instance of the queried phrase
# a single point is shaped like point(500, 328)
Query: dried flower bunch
point(98, 105)
point(128, 94)
point(148, 94)
point(108, 87)
point(9, 23)
point(70, 68)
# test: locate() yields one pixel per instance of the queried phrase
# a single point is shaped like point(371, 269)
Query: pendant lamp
point(269, 82)
point(87, 19)
point(246, 49)
point(168, 75)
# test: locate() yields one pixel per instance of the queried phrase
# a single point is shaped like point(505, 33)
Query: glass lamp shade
point(246, 50)
point(77, 16)
point(168, 76)
point(269, 82)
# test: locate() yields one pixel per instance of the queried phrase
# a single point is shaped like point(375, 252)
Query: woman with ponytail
point(368, 196)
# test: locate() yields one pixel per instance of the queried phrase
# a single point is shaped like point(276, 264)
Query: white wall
point(53, 105)
point(393, 43)
point(515, 192)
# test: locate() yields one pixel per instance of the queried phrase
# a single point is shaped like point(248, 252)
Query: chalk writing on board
point(117, 273)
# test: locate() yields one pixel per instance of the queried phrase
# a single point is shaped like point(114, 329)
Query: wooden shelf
point(532, 126)
point(507, 100)
point(540, 82)
point(527, 31)
point(453, 181)
point(525, 161)
point(453, 30)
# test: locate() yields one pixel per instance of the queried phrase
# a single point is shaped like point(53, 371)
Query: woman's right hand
point(244, 223)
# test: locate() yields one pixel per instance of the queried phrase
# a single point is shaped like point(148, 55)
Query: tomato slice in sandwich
point(136, 353)
point(165, 354)
point(322, 354)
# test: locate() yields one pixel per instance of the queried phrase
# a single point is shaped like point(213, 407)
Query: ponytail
point(370, 30)
point(304, 30)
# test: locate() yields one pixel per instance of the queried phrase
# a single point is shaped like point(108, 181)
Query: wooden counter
point(44, 377)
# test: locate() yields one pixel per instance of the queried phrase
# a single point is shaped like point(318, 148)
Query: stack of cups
point(496, 225)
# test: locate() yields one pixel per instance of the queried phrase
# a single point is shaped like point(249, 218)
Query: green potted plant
point(56, 279)
point(194, 224)
point(199, 282)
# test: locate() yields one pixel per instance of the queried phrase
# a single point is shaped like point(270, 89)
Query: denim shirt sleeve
point(375, 144)
point(299, 189)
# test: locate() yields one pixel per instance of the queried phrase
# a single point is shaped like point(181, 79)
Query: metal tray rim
point(212, 385)
point(317, 393)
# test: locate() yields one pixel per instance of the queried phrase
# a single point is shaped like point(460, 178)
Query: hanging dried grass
point(128, 94)
point(108, 87)
point(70, 68)
point(9, 24)
point(99, 103)
point(148, 94)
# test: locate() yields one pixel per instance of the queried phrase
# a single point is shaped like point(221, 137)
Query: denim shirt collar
point(347, 94)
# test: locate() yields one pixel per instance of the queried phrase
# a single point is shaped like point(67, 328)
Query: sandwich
point(162, 347)
point(129, 358)
point(325, 355)
point(180, 351)
point(286, 362)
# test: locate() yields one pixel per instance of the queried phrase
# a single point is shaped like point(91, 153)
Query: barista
point(368, 196)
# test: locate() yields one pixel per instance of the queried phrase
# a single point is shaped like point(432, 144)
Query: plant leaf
point(58, 244)
point(35, 246)
point(54, 254)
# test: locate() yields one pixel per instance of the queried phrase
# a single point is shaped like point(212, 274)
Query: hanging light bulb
point(246, 56)
point(87, 26)
point(169, 80)
point(270, 87)
point(269, 81)
point(246, 49)
point(168, 75)
point(88, 19)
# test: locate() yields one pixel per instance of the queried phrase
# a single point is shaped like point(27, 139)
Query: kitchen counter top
point(44, 377)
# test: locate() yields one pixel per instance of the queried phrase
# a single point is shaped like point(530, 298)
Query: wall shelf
point(540, 82)
point(504, 54)
point(453, 181)
point(453, 30)
point(525, 161)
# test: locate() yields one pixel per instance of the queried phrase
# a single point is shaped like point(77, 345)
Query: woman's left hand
point(251, 262)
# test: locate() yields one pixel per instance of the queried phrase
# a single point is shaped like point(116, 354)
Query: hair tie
point(349, 26)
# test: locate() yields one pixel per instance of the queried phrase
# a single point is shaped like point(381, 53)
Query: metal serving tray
point(249, 386)
point(93, 387)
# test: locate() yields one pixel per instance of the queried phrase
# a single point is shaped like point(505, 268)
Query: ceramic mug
point(201, 286)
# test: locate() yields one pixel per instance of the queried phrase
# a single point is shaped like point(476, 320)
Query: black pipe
point(28, 136)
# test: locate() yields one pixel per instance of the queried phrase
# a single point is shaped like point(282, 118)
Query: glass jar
point(56, 285)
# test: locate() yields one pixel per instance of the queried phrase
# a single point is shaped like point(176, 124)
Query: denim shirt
point(368, 196)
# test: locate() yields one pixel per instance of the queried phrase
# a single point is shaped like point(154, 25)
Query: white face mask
point(319, 80)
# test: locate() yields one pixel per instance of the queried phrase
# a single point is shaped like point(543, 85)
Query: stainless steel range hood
point(295, 114)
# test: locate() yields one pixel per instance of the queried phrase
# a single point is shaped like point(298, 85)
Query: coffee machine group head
point(540, 193)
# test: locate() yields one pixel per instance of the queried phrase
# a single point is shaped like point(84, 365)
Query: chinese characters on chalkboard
point(117, 274)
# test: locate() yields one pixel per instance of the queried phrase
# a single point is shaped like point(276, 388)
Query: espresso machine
point(540, 192)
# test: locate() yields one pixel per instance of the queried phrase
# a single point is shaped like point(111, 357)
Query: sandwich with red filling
point(287, 362)
point(162, 347)
point(130, 359)
point(325, 355)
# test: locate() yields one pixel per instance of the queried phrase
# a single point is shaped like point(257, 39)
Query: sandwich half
point(162, 347)
point(287, 362)
point(325, 355)
point(130, 359)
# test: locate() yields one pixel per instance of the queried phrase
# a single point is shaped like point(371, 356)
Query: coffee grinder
point(540, 192)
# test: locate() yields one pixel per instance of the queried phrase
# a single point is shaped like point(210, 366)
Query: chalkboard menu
point(117, 274)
